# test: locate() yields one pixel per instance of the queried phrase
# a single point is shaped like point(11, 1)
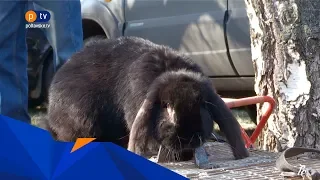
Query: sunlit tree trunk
point(285, 42)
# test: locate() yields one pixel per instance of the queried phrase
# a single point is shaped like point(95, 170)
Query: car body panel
point(233, 83)
point(239, 38)
point(108, 16)
point(192, 27)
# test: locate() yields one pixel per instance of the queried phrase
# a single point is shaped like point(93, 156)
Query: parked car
point(214, 33)
point(40, 66)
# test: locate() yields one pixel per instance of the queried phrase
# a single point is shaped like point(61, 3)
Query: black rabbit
point(129, 85)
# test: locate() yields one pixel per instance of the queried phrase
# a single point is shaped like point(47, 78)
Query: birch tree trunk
point(285, 42)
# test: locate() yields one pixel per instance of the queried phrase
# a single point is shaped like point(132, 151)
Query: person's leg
point(65, 32)
point(13, 60)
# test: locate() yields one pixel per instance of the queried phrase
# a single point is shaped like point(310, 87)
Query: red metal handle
point(232, 103)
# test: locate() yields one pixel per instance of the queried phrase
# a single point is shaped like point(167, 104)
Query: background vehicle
point(193, 27)
point(40, 66)
point(215, 33)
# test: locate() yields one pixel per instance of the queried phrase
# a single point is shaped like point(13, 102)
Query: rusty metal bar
point(246, 138)
point(232, 103)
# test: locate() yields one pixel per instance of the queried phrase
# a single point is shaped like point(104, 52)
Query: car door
point(239, 38)
point(194, 27)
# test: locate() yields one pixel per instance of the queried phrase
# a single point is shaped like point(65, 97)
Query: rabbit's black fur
point(100, 90)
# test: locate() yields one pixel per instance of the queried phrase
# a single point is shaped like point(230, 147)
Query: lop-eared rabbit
point(131, 87)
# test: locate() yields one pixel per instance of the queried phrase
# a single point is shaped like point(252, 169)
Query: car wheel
point(32, 103)
point(48, 73)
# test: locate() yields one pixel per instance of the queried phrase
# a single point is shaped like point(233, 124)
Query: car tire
point(32, 103)
point(47, 75)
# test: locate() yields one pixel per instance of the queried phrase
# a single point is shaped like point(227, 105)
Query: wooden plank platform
point(260, 165)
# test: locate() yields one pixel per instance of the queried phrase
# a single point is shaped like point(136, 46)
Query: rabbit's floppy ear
point(228, 124)
point(143, 124)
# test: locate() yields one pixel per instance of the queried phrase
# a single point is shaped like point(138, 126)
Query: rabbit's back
point(83, 93)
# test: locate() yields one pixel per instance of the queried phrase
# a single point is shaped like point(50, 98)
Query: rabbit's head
point(175, 112)
point(183, 120)
point(179, 111)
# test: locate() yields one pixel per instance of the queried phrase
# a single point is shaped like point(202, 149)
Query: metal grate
point(260, 165)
